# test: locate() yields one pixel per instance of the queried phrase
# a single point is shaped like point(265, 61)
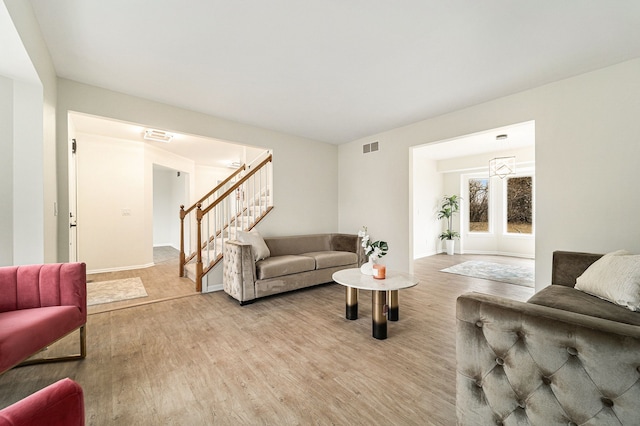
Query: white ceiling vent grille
point(157, 135)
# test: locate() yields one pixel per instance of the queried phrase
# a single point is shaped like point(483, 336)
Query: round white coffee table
point(384, 299)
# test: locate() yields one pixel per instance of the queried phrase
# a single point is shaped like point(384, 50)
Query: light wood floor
point(161, 281)
point(292, 359)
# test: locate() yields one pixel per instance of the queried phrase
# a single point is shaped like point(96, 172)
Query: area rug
point(114, 291)
point(512, 274)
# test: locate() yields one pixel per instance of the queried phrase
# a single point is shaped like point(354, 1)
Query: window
point(479, 205)
point(520, 205)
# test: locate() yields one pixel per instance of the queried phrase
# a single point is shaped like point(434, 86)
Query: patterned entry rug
point(512, 274)
point(113, 291)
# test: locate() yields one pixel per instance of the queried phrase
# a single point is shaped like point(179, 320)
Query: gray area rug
point(512, 274)
point(114, 291)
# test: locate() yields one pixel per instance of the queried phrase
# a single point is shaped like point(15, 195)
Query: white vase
point(450, 246)
point(367, 268)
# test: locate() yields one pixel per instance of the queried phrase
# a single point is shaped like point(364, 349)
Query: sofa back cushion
point(279, 246)
point(568, 266)
point(35, 286)
point(345, 242)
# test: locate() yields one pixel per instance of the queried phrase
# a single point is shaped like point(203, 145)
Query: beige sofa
point(563, 358)
point(294, 262)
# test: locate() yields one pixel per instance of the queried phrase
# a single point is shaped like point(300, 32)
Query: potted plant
point(450, 206)
point(374, 250)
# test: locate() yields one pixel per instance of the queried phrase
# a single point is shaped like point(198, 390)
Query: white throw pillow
point(260, 249)
point(614, 277)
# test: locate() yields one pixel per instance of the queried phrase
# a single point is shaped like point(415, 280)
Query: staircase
point(237, 204)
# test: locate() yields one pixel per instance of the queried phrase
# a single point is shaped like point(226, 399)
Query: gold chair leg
point(81, 355)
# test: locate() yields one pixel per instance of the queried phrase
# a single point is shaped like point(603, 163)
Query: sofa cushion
point(329, 259)
point(277, 266)
point(614, 277)
point(26, 331)
point(259, 248)
point(572, 300)
point(298, 244)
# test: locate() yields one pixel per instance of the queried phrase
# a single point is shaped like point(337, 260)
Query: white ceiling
point(333, 70)
point(203, 151)
point(521, 135)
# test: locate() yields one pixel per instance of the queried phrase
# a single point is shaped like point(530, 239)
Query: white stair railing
point(244, 203)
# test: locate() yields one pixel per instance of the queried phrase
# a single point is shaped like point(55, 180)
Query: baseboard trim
point(165, 245)
point(122, 268)
point(212, 288)
point(499, 253)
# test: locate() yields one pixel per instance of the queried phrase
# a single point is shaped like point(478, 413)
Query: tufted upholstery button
point(520, 334)
point(572, 351)
point(521, 404)
point(479, 383)
point(546, 380)
point(638, 369)
point(479, 324)
point(499, 361)
point(572, 424)
point(499, 423)
point(607, 402)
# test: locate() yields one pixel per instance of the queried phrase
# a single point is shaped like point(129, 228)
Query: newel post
point(182, 255)
point(199, 249)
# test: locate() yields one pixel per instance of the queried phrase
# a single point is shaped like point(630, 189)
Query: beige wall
point(587, 151)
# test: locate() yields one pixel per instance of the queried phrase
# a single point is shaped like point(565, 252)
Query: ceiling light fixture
point(502, 166)
point(157, 135)
point(501, 137)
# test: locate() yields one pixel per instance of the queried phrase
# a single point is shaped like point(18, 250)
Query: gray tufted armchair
point(529, 364)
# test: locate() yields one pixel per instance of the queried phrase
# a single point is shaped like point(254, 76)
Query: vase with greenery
point(450, 206)
point(374, 250)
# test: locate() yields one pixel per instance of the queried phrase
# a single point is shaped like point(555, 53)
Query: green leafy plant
point(450, 206)
point(374, 250)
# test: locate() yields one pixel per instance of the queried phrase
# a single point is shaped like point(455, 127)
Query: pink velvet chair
point(40, 304)
point(59, 404)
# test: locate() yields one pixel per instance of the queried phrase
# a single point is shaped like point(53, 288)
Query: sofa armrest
point(239, 271)
point(61, 403)
point(37, 286)
point(520, 363)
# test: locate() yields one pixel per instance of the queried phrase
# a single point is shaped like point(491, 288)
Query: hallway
point(160, 281)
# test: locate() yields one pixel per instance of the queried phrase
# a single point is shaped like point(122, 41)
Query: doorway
point(445, 168)
point(170, 190)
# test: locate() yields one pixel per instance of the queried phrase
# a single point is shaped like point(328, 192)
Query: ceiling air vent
point(157, 135)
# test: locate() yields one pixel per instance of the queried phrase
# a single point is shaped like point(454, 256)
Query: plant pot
point(450, 246)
